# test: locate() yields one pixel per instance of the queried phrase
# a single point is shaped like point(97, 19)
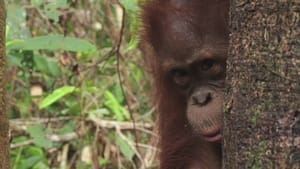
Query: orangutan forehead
point(181, 35)
point(214, 51)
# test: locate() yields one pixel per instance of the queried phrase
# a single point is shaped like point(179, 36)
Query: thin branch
point(22, 125)
point(119, 55)
point(118, 124)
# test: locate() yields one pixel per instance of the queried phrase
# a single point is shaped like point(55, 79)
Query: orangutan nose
point(202, 97)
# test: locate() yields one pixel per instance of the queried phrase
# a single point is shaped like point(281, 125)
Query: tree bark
point(262, 113)
point(4, 140)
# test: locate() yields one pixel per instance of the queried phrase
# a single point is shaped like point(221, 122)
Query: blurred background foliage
point(77, 92)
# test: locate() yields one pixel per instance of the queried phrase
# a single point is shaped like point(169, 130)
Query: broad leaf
point(56, 95)
point(55, 42)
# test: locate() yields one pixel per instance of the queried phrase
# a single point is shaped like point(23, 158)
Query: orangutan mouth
point(213, 136)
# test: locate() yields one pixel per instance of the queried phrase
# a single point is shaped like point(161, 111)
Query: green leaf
point(55, 42)
point(56, 95)
point(7, 29)
point(47, 65)
point(132, 43)
point(41, 165)
point(54, 68)
point(41, 63)
point(102, 161)
point(29, 162)
point(14, 60)
point(35, 151)
point(117, 92)
point(12, 42)
point(36, 130)
point(98, 113)
point(43, 142)
point(36, 3)
point(38, 134)
point(62, 3)
point(67, 128)
point(112, 103)
point(52, 13)
point(16, 21)
point(130, 5)
point(125, 148)
point(51, 9)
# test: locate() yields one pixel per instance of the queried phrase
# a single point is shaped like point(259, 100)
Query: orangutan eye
point(207, 64)
point(181, 77)
point(179, 72)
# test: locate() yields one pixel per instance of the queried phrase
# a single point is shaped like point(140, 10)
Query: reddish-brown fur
point(167, 31)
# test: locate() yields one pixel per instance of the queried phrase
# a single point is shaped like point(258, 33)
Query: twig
point(55, 138)
point(38, 120)
point(119, 72)
point(118, 124)
point(24, 143)
point(22, 125)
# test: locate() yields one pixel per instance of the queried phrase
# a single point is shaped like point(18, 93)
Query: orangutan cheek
point(205, 120)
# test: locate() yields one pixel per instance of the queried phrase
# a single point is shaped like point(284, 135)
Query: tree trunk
point(262, 114)
point(4, 140)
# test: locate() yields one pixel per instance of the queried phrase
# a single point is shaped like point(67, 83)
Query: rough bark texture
point(262, 126)
point(4, 143)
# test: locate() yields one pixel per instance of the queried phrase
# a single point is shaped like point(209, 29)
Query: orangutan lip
point(213, 136)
